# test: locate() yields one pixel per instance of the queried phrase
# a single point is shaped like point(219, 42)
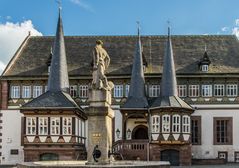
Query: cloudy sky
point(113, 17)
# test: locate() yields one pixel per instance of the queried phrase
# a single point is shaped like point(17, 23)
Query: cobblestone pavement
point(209, 166)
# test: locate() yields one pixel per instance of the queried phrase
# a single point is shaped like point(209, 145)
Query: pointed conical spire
point(168, 82)
point(137, 97)
point(58, 77)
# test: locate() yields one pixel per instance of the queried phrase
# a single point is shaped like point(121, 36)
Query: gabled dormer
point(204, 62)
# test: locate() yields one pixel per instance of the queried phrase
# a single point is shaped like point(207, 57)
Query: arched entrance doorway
point(170, 155)
point(48, 157)
point(140, 132)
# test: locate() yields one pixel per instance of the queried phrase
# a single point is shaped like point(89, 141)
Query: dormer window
point(204, 68)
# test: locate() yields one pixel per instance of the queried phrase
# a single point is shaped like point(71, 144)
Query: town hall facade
point(174, 98)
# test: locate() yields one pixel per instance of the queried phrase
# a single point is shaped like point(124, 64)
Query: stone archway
point(140, 132)
point(170, 155)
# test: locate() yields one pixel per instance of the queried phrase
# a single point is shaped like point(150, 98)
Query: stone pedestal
point(100, 117)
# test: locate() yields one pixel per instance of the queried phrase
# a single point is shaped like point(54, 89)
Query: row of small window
point(35, 91)
point(123, 90)
point(55, 126)
point(166, 124)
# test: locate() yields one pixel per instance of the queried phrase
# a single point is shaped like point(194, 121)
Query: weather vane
point(59, 4)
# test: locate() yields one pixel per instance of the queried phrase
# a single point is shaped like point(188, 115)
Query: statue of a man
point(101, 61)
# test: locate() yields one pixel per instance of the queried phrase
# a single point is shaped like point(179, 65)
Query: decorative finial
point(59, 4)
point(168, 22)
point(138, 25)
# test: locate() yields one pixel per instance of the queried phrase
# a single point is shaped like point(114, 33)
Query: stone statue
point(101, 61)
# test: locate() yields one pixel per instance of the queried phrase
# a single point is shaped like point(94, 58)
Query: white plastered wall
point(207, 150)
point(11, 136)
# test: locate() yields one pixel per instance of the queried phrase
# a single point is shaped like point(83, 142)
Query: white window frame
point(186, 124)
point(127, 90)
point(154, 90)
point(37, 91)
point(55, 126)
point(31, 125)
point(166, 123)
point(45, 88)
point(83, 91)
point(15, 91)
point(205, 68)
point(206, 90)
point(118, 91)
point(232, 90)
point(155, 122)
point(73, 91)
point(176, 123)
point(43, 125)
point(182, 90)
point(193, 90)
point(67, 125)
point(26, 91)
point(219, 90)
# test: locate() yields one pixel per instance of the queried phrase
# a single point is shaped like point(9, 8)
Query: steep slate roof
point(137, 97)
point(168, 88)
point(188, 50)
point(57, 95)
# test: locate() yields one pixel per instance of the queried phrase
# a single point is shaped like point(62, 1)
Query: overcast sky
point(113, 17)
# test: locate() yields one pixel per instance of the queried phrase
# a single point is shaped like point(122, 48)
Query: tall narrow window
point(166, 123)
point(73, 91)
point(31, 125)
point(127, 90)
point(83, 91)
point(15, 91)
point(193, 90)
point(37, 91)
point(176, 123)
point(218, 90)
point(118, 91)
point(204, 68)
point(155, 124)
point(55, 125)
point(26, 91)
point(232, 90)
point(43, 125)
point(154, 90)
point(46, 88)
point(67, 125)
point(222, 130)
point(196, 130)
point(186, 124)
point(182, 90)
point(206, 90)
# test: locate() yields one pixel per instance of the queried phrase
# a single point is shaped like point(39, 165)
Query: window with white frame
point(43, 125)
point(67, 125)
point(26, 91)
point(206, 90)
point(30, 125)
point(37, 91)
point(55, 125)
point(186, 124)
point(176, 123)
point(182, 90)
point(166, 123)
point(193, 90)
point(15, 91)
point(46, 88)
point(154, 90)
point(127, 90)
point(232, 90)
point(219, 90)
point(155, 124)
point(204, 68)
point(73, 91)
point(83, 91)
point(118, 91)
